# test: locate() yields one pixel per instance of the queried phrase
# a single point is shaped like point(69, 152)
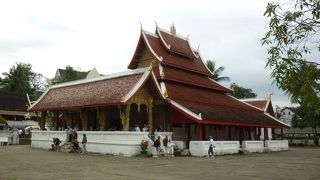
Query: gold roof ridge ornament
point(165, 93)
point(162, 75)
point(123, 98)
point(173, 30)
point(151, 65)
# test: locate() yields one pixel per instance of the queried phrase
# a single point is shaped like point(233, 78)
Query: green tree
point(70, 75)
point(22, 80)
point(241, 92)
point(19, 79)
point(216, 71)
point(293, 41)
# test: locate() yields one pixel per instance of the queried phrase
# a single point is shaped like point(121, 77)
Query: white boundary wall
point(253, 146)
point(200, 148)
point(277, 145)
point(105, 142)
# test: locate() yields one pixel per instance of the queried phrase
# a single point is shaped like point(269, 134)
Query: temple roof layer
point(155, 45)
point(218, 108)
point(107, 90)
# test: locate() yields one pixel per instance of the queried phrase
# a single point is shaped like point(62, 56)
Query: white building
point(286, 115)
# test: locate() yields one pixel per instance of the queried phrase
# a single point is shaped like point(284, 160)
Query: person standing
point(84, 143)
point(157, 145)
point(212, 145)
point(167, 146)
point(137, 128)
point(145, 128)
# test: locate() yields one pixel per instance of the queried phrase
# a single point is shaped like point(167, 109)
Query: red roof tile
point(261, 104)
point(102, 92)
point(178, 75)
point(175, 44)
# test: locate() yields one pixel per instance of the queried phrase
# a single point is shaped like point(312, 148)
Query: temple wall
point(200, 148)
point(115, 142)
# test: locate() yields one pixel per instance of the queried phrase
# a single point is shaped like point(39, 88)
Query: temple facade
point(167, 86)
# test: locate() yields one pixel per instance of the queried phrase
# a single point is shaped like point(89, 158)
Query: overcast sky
point(101, 34)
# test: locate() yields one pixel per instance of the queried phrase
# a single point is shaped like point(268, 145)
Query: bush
point(144, 145)
point(2, 120)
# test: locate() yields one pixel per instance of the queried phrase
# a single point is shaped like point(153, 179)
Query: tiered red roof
point(183, 74)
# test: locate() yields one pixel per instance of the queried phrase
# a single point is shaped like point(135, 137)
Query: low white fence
point(125, 143)
point(13, 136)
point(274, 145)
point(200, 148)
point(253, 146)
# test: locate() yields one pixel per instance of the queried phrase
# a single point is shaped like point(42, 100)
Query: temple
point(167, 86)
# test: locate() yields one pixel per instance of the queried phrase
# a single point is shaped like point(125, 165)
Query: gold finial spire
point(173, 30)
point(269, 96)
point(141, 29)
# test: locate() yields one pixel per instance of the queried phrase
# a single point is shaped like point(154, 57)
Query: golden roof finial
point(173, 30)
point(141, 29)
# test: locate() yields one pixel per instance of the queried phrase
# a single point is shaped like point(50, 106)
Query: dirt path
point(21, 162)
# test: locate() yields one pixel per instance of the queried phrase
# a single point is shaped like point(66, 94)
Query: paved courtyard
point(21, 162)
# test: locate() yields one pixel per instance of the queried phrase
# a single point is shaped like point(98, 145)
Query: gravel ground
point(21, 162)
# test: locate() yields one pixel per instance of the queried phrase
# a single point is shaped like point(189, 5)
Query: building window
point(288, 113)
point(284, 113)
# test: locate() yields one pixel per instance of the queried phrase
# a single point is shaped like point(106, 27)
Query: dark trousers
point(210, 151)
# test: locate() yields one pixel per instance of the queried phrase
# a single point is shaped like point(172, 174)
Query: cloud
point(14, 45)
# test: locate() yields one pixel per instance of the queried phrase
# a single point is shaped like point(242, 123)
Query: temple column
point(259, 134)
point(43, 120)
point(84, 119)
point(266, 134)
point(249, 133)
point(56, 120)
point(229, 133)
point(101, 116)
point(217, 133)
point(150, 115)
point(200, 132)
point(255, 133)
point(281, 133)
point(67, 118)
point(125, 117)
point(272, 133)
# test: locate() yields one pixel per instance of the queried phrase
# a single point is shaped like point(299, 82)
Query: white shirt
point(211, 142)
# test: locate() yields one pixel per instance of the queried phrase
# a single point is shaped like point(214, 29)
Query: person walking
point(84, 143)
point(212, 145)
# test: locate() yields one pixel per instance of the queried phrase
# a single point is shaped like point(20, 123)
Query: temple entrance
point(115, 120)
point(138, 116)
